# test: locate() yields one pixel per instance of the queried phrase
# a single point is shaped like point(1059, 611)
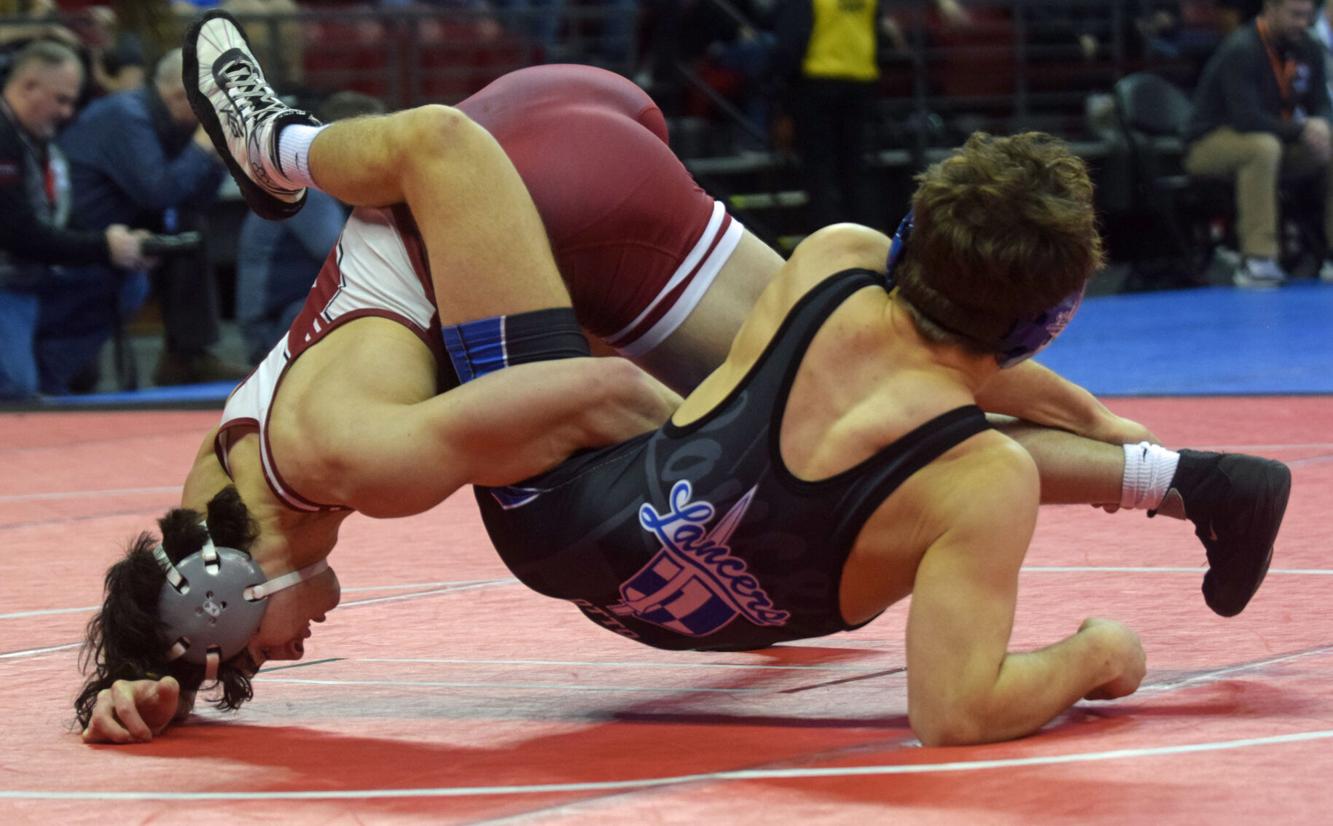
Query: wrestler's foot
point(226, 85)
point(1236, 503)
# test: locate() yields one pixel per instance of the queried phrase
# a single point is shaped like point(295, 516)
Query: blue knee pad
point(483, 346)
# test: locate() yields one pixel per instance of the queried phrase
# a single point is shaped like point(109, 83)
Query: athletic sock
point(1149, 470)
point(294, 154)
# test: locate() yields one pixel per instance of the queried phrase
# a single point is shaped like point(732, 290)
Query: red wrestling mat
point(444, 692)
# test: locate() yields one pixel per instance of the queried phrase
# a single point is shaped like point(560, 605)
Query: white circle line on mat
point(676, 780)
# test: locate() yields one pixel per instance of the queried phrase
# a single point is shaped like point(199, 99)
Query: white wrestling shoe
point(240, 112)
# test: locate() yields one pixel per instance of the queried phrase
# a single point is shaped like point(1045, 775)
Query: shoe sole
point(1270, 509)
point(260, 202)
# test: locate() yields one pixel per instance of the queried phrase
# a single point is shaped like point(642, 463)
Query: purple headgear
point(1015, 342)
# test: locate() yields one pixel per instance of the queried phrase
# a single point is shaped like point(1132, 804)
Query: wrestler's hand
point(639, 402)
point(1124, 652)
point(1117, 430)
point(133, 711)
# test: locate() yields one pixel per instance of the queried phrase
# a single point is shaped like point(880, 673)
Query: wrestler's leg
point(1073, 469)
point(703, 340)
point(1235, 502)
point(486, 244)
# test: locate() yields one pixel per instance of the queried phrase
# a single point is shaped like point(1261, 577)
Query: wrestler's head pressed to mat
point(197, 608)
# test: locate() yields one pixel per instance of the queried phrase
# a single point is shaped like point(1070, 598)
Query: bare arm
point(964, 686)
point(206, 476)
point(398, 460)
point(1039, 395)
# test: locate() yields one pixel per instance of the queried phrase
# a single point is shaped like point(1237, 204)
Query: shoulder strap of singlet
point(868, 483)
point(808, 315)
point(775, 369)
point(881, 475)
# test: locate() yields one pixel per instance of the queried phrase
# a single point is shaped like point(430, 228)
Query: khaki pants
point(1258, 162)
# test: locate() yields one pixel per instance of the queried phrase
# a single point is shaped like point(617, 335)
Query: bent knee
point(1264, 148)
point(432, 129)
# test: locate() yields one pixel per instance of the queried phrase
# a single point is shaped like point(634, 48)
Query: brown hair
point(1004, 229)
point(126, 640)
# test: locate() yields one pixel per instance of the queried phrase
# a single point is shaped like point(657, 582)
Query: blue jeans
point(18, 330)
point(51, 334)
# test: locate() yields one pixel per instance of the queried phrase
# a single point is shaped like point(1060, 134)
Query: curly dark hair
point(127, 641)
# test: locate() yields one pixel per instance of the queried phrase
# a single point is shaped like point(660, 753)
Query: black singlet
point(699, 537)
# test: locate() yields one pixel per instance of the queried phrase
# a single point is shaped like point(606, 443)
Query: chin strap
point(278, 583)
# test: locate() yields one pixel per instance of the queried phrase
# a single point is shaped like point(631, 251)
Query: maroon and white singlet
point(637, 241)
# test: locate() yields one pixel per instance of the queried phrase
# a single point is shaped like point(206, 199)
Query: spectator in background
point(1322, 30)
point(33, 20)
point(277, 261)
point(141, 158)
point(1187, 30)
point(118, 60)
point(39, 94)
point(1261, 115)
point(827, 51)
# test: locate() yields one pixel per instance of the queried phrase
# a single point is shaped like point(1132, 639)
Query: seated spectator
point(1261, 115)
point(277, 261)
point(38, 95)
point(140, 158)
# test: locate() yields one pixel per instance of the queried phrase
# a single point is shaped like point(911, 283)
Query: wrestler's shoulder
point(853, 245)
point(992, 462)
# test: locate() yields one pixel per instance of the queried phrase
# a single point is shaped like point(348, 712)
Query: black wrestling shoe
point(225, 85)
point(1236, 503)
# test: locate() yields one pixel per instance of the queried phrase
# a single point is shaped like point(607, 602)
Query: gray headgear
point(213, 601)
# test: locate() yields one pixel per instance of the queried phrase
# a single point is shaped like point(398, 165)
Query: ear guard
point(1012, 342)
point(213, 601)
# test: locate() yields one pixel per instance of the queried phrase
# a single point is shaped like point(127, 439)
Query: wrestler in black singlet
point(699, 537)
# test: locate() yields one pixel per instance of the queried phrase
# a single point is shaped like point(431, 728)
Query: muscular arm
point(1039, 395)
point(206, 476)
point(964, 686)
point(396, 460)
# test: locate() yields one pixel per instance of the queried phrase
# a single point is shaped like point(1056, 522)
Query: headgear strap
point(1011, 340)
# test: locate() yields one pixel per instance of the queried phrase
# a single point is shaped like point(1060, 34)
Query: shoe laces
point(249, 91)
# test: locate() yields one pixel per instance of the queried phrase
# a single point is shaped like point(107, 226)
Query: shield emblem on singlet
point(677, 597)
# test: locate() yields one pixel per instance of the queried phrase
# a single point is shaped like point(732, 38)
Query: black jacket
point(1238, 88)
point(32, 235)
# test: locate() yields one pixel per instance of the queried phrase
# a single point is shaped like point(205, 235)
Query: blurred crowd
point(107, 183)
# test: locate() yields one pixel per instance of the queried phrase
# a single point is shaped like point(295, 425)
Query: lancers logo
point(694, 586)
